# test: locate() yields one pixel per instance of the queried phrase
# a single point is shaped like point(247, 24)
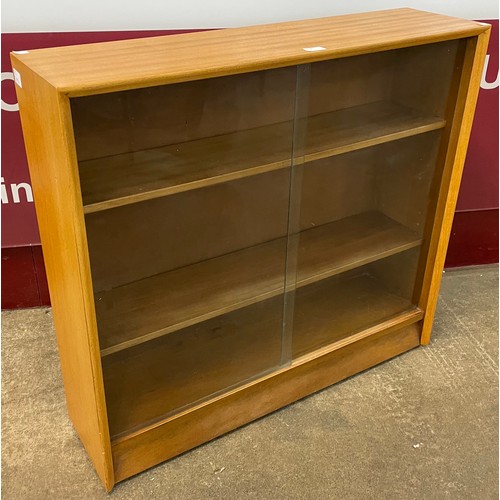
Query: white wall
point(110, 15)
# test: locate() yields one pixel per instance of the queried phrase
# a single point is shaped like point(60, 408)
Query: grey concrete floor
point(424, 425)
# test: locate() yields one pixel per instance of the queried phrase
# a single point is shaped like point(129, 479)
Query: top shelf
point(143, 175)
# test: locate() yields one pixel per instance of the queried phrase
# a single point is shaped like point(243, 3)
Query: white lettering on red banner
point(14, 192)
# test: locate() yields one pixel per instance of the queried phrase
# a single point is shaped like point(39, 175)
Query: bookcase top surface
point(112, 66)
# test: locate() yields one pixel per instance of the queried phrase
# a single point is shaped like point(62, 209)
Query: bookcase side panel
point(453, 157)
point(49, 144)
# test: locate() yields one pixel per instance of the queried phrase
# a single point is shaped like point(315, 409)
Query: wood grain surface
point(105, 67)
point(453, 159)
point(51, 155)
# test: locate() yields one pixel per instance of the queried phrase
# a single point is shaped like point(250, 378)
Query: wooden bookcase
point(234, 219)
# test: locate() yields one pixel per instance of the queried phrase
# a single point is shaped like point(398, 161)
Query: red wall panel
point(24, 283)
point(474, 237)
point(479, 188)
point(19, 226)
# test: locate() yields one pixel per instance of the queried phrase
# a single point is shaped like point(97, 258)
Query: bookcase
point(234, 219)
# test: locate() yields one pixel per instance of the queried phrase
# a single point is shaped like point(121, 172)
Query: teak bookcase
point(234, 219)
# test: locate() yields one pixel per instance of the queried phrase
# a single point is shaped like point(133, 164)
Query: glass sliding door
point(367, 163)
point(186, 196)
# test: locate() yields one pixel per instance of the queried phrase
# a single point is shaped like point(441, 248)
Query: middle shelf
point(136, 176)
point(143, 310)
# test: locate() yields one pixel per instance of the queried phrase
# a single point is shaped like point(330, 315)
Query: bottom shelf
point(151, 381)
point(156, 378)
point(335, 308)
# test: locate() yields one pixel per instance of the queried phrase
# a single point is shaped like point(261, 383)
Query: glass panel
point(366, 170)
point(186, 195)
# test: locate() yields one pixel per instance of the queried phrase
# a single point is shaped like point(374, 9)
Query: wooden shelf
point(198, 362)
point(129, 178)
point(155, 306)
point(333, 309)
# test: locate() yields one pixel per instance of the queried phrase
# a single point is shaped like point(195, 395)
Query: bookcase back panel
point(416, 77)
point(422, 75)
point(140, 240)
point(141, 119)
point(335, 188)
point(389, 272)
point(404, 174)
point(337, 307)
point(353, 81)
point(393, 178)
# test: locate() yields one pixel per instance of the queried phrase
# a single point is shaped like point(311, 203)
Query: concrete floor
point(424, 425)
